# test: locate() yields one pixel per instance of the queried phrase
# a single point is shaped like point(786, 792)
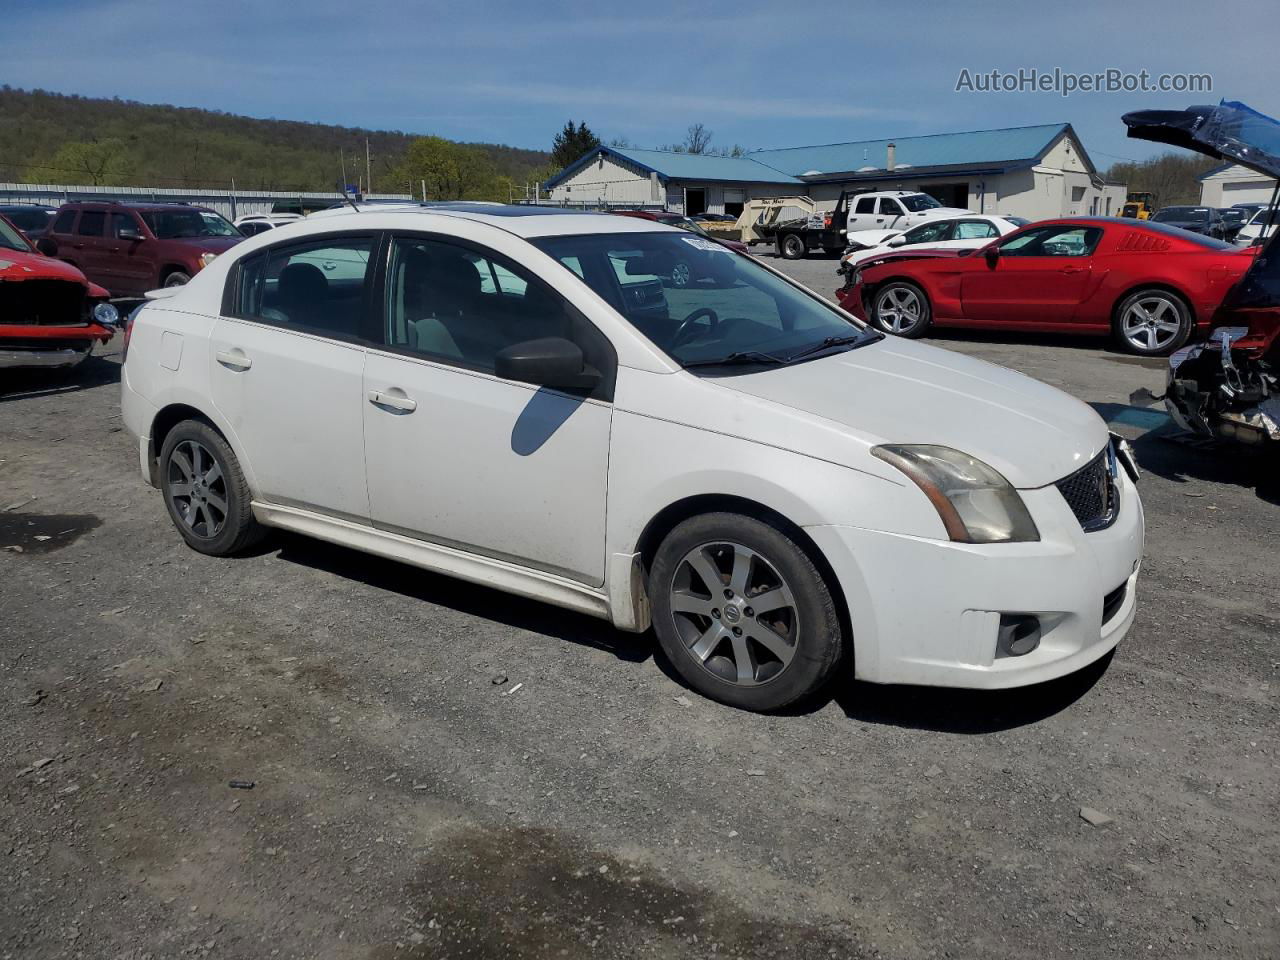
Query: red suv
point(131, 248)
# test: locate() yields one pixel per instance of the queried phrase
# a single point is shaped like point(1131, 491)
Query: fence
point(229, 203)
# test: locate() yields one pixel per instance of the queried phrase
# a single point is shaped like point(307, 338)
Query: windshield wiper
point(857, 339)
point(738, 357)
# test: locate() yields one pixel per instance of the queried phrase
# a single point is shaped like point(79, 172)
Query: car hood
point(896, 391)
point(16, 265)
point(945, 212)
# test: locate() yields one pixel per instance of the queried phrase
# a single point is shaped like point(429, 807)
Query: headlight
point(106, 314)
point(976, 504)
point(206, 259)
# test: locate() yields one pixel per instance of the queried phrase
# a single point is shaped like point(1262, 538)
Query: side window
point(458, 305)
point(975, 230)
point(320, 286)
point(866, 205)
point(929, 233)
point(65, 221)
point(125, 222)
point(1062, 241)
point(890, 207)
point(92, 223)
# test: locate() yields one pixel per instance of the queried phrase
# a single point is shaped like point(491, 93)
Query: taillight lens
point(128, 331)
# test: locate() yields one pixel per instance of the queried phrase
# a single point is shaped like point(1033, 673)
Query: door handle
point(393, 401)
point(1072, 269)
point(233, 360)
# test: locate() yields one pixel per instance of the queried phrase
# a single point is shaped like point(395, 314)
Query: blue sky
point(762, 75)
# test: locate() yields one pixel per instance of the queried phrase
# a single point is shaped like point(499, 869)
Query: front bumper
point(49, 345)
point(928, 611)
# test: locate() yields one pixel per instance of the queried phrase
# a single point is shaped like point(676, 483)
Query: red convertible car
point(50, 315)
point(1149, 285)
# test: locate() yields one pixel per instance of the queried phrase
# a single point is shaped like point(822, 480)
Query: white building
point(1033, 172)
point(1230, 183)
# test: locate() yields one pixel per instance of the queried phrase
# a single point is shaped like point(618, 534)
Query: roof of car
point(522, 220)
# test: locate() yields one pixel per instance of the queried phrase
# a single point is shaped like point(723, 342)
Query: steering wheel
point(686, 325)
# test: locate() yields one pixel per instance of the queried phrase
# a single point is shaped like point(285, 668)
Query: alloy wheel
point(898, 309)
point(198, 489)
point(735, 613)
point(1151, 323)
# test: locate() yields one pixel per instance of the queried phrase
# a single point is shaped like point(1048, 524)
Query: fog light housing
point(1019, 634)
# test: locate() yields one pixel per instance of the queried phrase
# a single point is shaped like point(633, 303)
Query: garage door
point(1247, 191)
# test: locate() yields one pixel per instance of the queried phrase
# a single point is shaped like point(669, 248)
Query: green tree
point(571, 143)
point(451, 171)
point(98, 162)
point(1172, 177)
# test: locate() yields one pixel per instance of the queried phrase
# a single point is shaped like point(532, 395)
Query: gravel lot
point(444, 771)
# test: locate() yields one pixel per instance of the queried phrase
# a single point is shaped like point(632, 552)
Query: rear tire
point(742, 612)
point(1152, 322)
point(791, 246)
point(205, 491)
point(902, 309)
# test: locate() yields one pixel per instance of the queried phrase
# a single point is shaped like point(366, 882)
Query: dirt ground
point(441, 771)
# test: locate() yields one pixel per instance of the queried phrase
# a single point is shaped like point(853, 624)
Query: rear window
point(29, 220)
point(92, 223)
point(1199, 239)
point(65, 221)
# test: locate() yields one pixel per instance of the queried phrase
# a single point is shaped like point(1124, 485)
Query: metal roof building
point(1035, 172)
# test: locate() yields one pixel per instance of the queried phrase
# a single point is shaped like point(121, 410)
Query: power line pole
point(342, 154)
point(368, 170)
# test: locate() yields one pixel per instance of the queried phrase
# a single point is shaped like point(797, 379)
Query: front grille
point(42, 302)
point(1113, 601)
point(1091, 492)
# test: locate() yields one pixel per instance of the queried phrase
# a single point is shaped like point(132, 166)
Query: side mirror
point(128, 233)
point(48, 246)
point(992, 255)
point(548, 362)
point(897, 241)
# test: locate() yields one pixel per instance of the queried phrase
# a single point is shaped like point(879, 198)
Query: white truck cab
point(896, 210)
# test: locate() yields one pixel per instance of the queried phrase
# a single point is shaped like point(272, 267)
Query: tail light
point(128, 332)
point(826, 222)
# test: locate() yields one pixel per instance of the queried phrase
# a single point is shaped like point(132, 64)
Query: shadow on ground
point(96, 371)
point(461, 596)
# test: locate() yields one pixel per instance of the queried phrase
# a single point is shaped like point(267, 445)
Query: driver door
point(1039, 276)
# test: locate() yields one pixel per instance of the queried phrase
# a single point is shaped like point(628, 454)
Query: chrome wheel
point(680, 274)
point(734, 613)
point(793, 247)
point(899, 309)
point(195, 484)
point(1151, 323)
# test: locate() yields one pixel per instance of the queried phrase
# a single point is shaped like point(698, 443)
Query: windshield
point(698, 301)
point(11, 239)
point(1268, 217)
point(179, 224)
point(29, 220)
point(918, 202)
point(1190, 214)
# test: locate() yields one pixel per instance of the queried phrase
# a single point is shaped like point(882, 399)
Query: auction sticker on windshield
point(705, 244)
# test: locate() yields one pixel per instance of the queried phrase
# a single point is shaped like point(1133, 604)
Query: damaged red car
point(1148, 285)
point(1230, 386)
point(50, 315)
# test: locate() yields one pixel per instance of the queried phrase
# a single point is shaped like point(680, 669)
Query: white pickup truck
point(896, 210)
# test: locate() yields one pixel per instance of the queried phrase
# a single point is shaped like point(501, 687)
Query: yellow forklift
point(1139, 205)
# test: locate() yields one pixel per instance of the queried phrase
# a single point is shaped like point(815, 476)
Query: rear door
point(89, 246)
point(286, 368)
point(862, 214)
point(1039, 277)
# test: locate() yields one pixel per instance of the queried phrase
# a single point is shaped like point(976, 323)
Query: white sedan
point(968, 232)
point(1260, 226)
point(510, 396)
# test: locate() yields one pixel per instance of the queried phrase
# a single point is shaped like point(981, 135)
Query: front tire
point(742, 612)
point(177, 279)
point(1152, 322)
point(902, 309)
point(791, 246)
point(205, 491)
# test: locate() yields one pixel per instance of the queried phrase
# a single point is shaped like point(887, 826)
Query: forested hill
point(55, 138)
